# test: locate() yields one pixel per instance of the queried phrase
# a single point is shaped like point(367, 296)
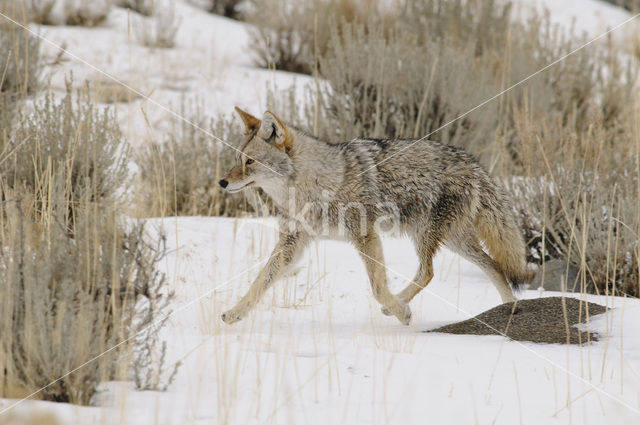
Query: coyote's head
point(262, 158)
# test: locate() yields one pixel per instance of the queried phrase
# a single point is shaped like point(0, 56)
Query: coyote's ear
point(272, 129)
point(250, 122)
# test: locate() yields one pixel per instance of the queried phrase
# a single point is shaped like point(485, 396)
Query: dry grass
point(74, 12)
point(86, 13)
point(160, 29)
point(179, 175)
point(228, 8)
point(29, 418)
point(80, 278)
point(143, 7)
point(108, 91)
point(562, 141)
point(39, 11)
point(71, 133)
point(630, 5)
point(288, 36)
point(71, 295)
point(19, 63)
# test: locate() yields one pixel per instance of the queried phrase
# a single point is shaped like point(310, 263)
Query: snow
point(211, 65)
point(589, 18)
point(317, 350)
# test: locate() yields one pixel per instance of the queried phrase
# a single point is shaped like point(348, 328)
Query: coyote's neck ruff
point(436, 194)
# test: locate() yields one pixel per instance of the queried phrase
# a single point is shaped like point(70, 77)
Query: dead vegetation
point(160, 28)
point(179, 174)
point(79, 278)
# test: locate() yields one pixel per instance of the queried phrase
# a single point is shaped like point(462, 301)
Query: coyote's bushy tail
point(503, 239)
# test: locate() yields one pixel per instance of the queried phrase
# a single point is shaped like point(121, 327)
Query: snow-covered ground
point(317, 350)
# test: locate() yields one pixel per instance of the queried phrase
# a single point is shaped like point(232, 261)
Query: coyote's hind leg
point(370, 250)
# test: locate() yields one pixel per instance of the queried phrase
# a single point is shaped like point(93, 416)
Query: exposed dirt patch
point(544, 320)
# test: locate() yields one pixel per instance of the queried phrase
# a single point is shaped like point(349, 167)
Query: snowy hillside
point(210, 64)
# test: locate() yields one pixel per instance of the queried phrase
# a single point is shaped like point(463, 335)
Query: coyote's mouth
point(240, 188)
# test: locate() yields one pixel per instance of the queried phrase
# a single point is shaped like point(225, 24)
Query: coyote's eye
point(249, 162)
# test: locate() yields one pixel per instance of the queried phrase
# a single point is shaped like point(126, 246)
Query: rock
point(543, 320)
point(553, 274)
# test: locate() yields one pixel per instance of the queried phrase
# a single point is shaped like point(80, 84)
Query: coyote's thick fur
point(436, 194)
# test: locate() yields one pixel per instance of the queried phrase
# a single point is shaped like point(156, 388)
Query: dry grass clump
point(282, 37)
point(109, 91)
point(143, 7)
point(581, 202)
point(228, 8)
point(289, 35)
point(70, 133)
point(79, 278)
point(481, 25)
point(39, 11)
point(31, 417)
point(407, 71)
point(630, 5)
point(70, 293)
point(179, 175)
point(160, 29)
point(24, 11)
point(84, 13)
point(378, 88)
point(19, 62)
point(574, 145)
point(437, 64)
point(19, 73)
point(570, 215)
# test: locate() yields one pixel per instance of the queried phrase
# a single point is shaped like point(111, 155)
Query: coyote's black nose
point(223, 183)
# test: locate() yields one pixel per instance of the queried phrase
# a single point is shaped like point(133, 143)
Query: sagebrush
point(78, 276)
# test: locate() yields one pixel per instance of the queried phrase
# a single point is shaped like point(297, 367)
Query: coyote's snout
point(437, 194)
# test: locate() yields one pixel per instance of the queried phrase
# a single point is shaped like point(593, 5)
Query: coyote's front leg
point(288, 248)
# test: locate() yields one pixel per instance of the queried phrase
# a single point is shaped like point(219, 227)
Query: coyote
point(434, 193)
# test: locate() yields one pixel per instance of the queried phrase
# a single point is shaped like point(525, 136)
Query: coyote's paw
point(230, 317)
point(387, 312)
point(404, 315)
